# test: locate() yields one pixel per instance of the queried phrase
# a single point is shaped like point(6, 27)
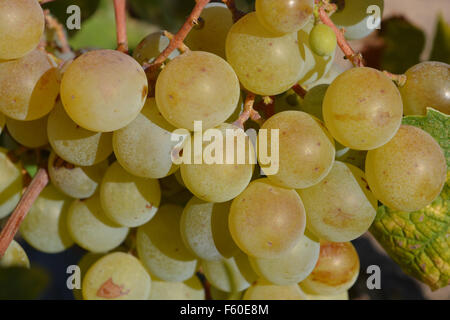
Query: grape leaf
point(21, 283)
point(441, 45)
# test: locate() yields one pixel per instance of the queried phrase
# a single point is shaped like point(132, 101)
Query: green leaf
point(441, 46)
point(21, 283)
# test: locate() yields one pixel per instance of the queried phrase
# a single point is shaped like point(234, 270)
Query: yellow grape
point(337, 208)
point(266, 64)
point(362, 109)
point(335, 272)
point(151, 47)
point(265, 220)
point(103, 90)
point(161, 249)
point(117, 276)
point(85, 264)
point(263, 290)
point(217, 294)
point(408, 172)
point(75, 144)
point(45, 227)
point(21, 27)
point(31, 134)
point(91, 229)
point(11, 183)
point(191, 289)
point(14, 256)
point(197, 86)
point(360, 177)
point(144, 147)
point(28, 86)
point(128, 200)
point(340, 296)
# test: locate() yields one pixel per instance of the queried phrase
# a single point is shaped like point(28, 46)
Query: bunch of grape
point(116, 192)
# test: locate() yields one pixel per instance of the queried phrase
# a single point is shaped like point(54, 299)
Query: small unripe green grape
point(151, 47)
point(322, 40)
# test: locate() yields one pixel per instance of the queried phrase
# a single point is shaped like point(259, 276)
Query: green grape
point(322, 40)
point(217, 294)
point(14, 256)
point(408, 172)
point(204, 228)
point(144, 147)
point(265, 220)
point(31, 134)
point(360, 177)
point(103, 90)
point(338, 209)
point(234, 274)
point(291, 267)
point(117, 276)
point(2, 122)
point(289, 101)
point(44, 227)
point(313, 101)
point(263, 290)
point(362, 109)
point(85, 264)
point(151, 47)
point(427, 86)
point(75, 144)
point(222, 180)
point(76, 182)
point(340, 296)
point(335, 272)
point(284, 16)
point(191, 88)
point(356, 20)
point(21, 27)
point(28, 86)
point(211, 32)
point(11, 183)
point(128, 200)
point(161, 249)
point(179, 179)
point(354, 157)
point(91, 229)
point(306, 150)
point(191, 289)
point(170, 185)
point(266, 64)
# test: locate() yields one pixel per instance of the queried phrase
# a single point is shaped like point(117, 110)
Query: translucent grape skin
point(28, 93)
point(362, 109)
point(44, 227)
point(337, 207)
point(11, 183)
point(265, 220)
point(75, 144)
point(21, 27)
point(128, 200)
point(306, 150)
point(31, 134)
point(151, 46)
point(14, 256)
point(284, 16)
point(263, 290)
point(322, 40)
point(427, 86)
point(144, 147)
point(191, 289)
point(103, 90)
point(266, 64)
point(335, 272)
point(191, 88)
point(117, 276)
point(408, 172)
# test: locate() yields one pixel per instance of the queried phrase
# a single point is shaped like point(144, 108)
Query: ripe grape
point(117, 276)
point(91, 229)
point(337, 208)
point(21, 27)
point(197, 86)
point(263, 290)
point(44, 227)
point(31, 134)
point(151, 47)
point(76, 182)
point(75, 144)
point(217, 294)
point(28, 86)
point(161, 249)
point(204, 228)
point(191, 289)
point(322, 40)
point(284, 16)
point(14, 256)
point(335, 272)
point(103, 90)
point(85, 264)
point(306, 150)
point(128, 200)
point(266, 64)
point(340, 296)
point(408, 172)
point(211, 32)
point(265, 220)
point(2, 122)
point(11, 183)
point(427, 86)
point(291, 267)
point(144, 147)
point(362, 109)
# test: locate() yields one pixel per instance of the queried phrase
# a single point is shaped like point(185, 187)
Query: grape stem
point(40, 180)
point(53, 24)
point(300, 91)
point(45, 1)
point(237, 14)
point(121, 25)
point(399, 79)
point(249, 112)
